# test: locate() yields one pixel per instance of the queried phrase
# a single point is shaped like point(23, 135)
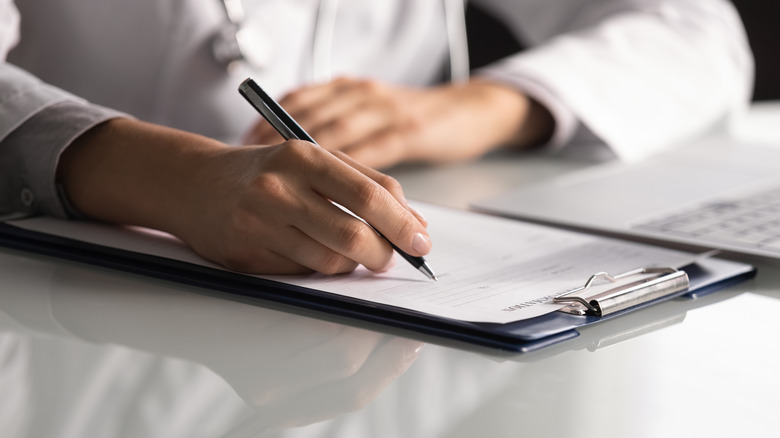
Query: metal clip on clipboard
point(652, 284)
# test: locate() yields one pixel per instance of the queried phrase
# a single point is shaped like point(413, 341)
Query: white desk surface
point(88, 352)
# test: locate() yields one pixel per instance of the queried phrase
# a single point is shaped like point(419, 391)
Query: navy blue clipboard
point(528, 335)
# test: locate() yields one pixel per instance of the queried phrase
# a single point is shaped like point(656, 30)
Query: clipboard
point(593, 301)
point(613, 331)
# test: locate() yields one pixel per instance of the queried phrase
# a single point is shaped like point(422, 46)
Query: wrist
point(130, 172)
point(519, 120)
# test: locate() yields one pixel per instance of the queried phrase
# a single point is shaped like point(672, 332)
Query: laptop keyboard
point(752, 222)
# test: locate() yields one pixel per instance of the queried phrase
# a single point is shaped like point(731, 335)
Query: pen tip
point(425, 269)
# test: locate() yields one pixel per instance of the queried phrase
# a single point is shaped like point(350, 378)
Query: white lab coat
point(639, 75)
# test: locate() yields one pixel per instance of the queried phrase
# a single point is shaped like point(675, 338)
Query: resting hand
point(381, 125)
point(252, 209)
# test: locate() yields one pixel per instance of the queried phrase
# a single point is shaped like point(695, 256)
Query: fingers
point(310, 106)
point(374, 203)
point(352, 112)
point(344, 235)
point(313, 95)
point(383, 149)
point(315, 106)
point(354, 125)
point(337, 352)
point(355, 384)
point(347, 113)
point(282, 251)
point(390, 359)
point(272, 209)
point(389, 183)
point(333, 243)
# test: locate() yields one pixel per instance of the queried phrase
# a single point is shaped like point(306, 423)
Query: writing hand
point(252, 209)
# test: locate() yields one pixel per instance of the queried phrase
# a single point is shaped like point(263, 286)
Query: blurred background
point(761, 19)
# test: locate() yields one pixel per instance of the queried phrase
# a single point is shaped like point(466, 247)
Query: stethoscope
point(231, 44)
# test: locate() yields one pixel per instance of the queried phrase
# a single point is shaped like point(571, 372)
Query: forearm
point(130, 172)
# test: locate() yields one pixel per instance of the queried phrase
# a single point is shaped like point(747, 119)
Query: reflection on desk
point(131, 348)
point(101, 353)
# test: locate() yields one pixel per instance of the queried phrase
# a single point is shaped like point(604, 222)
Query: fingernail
point(421, 243)
point(419, 215)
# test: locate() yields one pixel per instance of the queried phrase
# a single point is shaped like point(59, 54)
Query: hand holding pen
point(363, 212)
point(256, 209)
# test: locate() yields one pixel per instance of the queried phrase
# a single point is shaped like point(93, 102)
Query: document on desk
point(490, 269)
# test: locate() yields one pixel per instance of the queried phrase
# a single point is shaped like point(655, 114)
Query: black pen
point(290, 130)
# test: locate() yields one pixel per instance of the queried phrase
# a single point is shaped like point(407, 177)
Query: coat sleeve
point(639, 75)
point(37, 122)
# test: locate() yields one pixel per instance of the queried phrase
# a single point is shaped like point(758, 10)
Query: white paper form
point(490, 269)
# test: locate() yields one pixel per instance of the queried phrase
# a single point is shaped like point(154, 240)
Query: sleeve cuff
point(30, 155)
